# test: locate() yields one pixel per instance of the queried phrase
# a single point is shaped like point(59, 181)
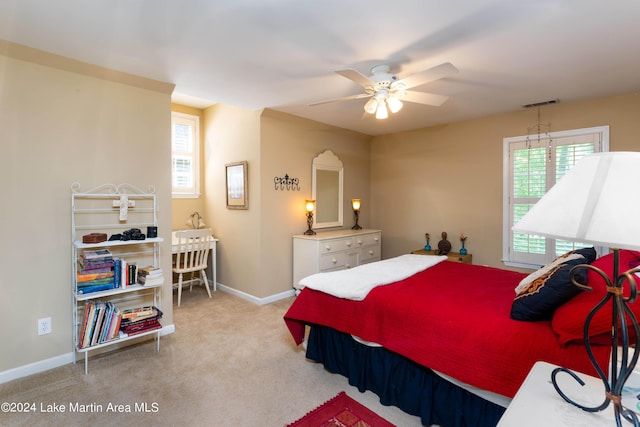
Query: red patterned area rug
point(341, 411)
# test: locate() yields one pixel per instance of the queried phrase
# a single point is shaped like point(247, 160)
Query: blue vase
point(463, 251)
point(427, 247)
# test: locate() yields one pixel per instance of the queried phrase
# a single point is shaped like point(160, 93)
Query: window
point(185, 155)
point(532, 165)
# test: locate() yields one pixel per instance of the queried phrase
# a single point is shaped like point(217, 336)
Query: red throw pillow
point(568, 319)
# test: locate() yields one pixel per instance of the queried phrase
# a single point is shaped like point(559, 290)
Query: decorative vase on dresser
point(333, 250)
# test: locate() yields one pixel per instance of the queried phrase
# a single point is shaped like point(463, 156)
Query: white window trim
point(194, 192)
point(602, 130)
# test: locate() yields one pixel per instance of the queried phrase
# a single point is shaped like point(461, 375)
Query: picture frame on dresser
point(237, 188)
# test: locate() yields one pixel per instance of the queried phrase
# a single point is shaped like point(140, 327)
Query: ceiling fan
point(387, 91)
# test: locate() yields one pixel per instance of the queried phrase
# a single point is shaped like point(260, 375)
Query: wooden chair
point(192, 256)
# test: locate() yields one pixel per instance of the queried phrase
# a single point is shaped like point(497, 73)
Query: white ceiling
point(282, 54)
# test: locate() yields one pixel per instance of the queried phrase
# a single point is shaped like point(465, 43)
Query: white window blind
point(533, 164)
point(185, 166)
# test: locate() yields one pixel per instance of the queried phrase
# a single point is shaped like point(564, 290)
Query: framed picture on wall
point(237, 196)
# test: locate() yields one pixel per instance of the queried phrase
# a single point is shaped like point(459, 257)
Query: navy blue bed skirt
point(400, 382)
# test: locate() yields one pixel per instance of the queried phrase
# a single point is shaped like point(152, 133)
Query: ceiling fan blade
point(356, 76)
point(424, 98)
point(439, 71)
point(346, 98)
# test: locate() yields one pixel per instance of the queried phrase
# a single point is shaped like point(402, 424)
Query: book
point(99, 279)
point(154, 314)
point(123, 273)
point(142, 327)
point(101, 323)
point(94, 264)
point(117, 280)
point(150, 275)
point(100, 310)
point(132, 274)
point(96, 282)
point(150, 270)
point(115, 324)
point(138, 311)
point(95, 288)
point(150, 280)
point(105, 269)
point(90, 309)
point(96, 254)
point(82, 335)
point(106, 324)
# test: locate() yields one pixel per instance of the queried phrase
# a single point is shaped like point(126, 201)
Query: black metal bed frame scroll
point(619, 334)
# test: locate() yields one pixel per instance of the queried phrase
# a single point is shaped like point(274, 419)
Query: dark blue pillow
point(540, 298)
point(589, 253)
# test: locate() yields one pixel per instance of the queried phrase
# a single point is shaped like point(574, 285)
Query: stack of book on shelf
point(125, 274)
point(140, 319)
point(101, 323)
point(95, 272)
point(150, 275)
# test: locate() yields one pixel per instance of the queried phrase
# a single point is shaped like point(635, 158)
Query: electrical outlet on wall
point(44, 326)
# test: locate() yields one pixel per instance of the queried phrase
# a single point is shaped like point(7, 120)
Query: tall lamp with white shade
point(597, 202)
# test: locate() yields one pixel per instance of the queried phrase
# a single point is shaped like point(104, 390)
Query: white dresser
point(333, 250)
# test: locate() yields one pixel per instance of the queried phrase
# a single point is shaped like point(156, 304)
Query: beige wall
point(449, 178)
point(288, 146)
point(233, 135)
point(62, 122)
point(255, 247)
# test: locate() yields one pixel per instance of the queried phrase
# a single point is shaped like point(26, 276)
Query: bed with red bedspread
point(452, 318)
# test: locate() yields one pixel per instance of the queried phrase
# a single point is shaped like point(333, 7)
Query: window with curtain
point(533, 164)
point(185, 155)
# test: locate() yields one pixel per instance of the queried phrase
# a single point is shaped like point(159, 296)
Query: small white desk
point(537, 403)
point(212, 270)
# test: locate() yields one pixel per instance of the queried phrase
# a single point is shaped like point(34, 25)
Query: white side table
point(538, 404)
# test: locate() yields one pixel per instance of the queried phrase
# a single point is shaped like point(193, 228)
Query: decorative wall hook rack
point(286, 183)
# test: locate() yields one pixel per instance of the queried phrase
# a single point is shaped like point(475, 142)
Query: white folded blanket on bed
point(356, 283)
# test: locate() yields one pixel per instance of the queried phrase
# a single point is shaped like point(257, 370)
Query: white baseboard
point(36, 367)
point(166, 330)
point(55, 362)
point(253, 299)
point(63, 359)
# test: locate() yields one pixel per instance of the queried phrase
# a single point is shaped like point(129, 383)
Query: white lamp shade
point(596, 202)
point(371, 106)
point(382, 112)
point(394, 104)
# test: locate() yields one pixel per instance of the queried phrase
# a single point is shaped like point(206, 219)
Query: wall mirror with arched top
point(326, 184)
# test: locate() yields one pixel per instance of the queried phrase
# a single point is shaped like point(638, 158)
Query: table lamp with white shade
point(598, 202)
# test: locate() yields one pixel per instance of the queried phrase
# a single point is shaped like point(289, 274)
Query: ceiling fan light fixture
point(394, 104)
point(381, 112)
point(387, 91)
point(371, 106)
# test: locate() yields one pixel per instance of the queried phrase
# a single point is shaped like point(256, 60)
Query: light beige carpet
point(229, 363)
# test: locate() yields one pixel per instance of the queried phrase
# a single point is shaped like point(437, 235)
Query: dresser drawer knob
point(376, 238)
point(333, 260)
point(328, 247)
point(349, 244)
point(370, 252)
point(360, 242)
